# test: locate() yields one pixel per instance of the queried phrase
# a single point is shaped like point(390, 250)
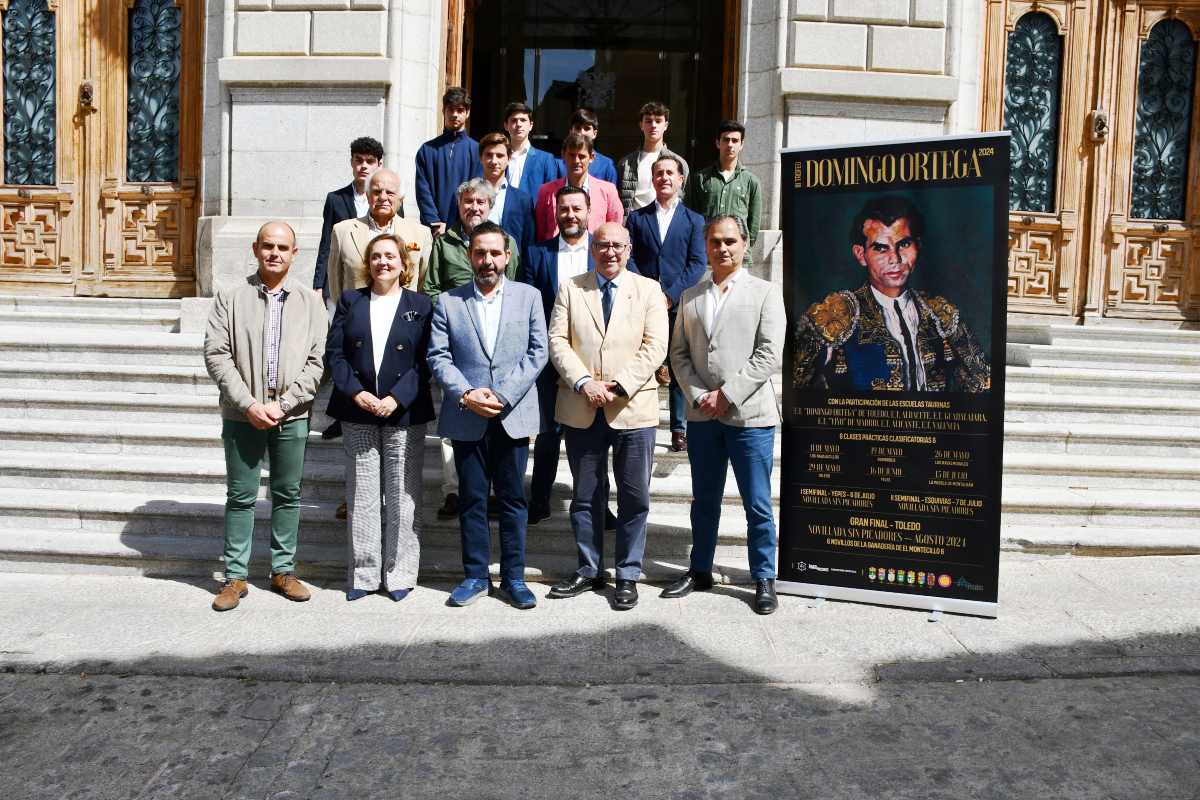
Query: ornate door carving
point(1114, 230)
point(101, 147)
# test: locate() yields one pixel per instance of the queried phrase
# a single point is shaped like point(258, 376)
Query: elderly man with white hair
point(350, 237)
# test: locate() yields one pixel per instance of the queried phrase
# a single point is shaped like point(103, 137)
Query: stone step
point(1101, 472)
point(82, 320)
point(1098, 382)
point(1033, 506)
point(1116, 336)
point(126, 407)
point(1102, 357)
point(100, 347)
point(93, 306)
point(1097, 439)
point(1074, 409)
point(86, 378)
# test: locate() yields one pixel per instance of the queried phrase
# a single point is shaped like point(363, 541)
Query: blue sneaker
point(469, 591)
point(398, 594)
point(517, 594)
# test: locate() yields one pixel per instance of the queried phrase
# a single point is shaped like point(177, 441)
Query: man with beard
point(449, 268)
point(487, 347)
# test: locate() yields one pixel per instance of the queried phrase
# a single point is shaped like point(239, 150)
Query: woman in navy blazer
point(375, 353)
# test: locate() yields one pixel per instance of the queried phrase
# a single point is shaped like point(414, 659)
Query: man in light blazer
point(608, 334)
point(668, 245)
point(727, 345)
point(486, 349)
point(349, 202)
point(350, 237)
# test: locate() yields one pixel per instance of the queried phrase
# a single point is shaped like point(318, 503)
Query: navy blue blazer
point(517, 219)
point(677, 262)
point(540, 167)
point(404, 374)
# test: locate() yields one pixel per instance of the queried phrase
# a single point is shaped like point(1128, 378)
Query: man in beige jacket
point(351, 236)
point(264, 348)
point(726, 347)
point(608, 334)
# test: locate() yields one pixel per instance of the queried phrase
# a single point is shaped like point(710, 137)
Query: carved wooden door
point(1100, 97)
point(100, 147)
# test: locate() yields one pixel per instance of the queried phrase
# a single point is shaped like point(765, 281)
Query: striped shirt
point(271, 333)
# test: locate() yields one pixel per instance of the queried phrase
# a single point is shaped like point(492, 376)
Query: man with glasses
point(608, 335)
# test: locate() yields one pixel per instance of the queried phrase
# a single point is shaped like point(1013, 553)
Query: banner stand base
point(935, 605)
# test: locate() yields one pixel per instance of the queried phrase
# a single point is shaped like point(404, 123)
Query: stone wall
point(289, 83)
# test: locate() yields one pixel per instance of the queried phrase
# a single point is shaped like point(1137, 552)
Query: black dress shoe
point(575, 585)
point(690, 582)
point(765, 601)
point(625, 597)
point(449, 509)
point(538, 514)
point(610, 520)
point(333, 431)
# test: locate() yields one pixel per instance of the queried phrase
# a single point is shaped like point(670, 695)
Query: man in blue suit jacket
point(487, 347)
point(545, 264)
point(513, 208)
point(528, 167)
point(668, 246)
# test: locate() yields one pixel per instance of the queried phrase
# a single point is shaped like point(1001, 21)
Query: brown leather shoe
point(662, 375)
point(341, 511)
point(287, 585)
point(679, 441)
point(229, 596)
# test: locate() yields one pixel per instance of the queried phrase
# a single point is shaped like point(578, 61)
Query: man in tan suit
point(608, 334)
point(726, 347)
point(350, 237)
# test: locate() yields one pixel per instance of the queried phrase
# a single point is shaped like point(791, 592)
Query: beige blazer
point(349, 243)
point(741, 356)
point(628, 352)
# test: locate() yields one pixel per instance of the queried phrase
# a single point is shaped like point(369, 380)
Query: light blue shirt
point(488, 308)
point(498, 205)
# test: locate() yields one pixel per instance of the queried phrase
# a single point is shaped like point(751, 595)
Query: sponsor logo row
point(910, 577)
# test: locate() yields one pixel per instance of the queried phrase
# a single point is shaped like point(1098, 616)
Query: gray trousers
point(383, 462)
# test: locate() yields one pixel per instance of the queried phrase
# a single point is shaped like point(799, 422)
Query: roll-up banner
point(895, 272)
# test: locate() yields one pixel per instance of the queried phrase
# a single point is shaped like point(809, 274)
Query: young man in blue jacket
point(445, 162)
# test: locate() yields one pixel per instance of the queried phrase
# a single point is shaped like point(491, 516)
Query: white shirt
point(572, 258)
point(361, 204)
point(488, 308)
point(498, 206)
point(912, 319)
point(665, 215)
point(516, 165)
point(644, 195)
point(383, 312)
point(715, 299)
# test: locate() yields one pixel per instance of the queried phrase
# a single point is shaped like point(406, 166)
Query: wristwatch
point(284, 405)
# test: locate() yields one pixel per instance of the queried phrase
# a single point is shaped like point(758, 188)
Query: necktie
point(910, 357)
point(606, 301)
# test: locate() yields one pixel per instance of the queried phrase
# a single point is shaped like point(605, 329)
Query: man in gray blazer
point(486, 349)
point(727, 345)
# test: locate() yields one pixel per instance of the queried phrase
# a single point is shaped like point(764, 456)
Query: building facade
point(146, 140)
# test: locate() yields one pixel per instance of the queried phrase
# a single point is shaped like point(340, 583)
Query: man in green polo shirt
point(449, 268)
point(727, 187)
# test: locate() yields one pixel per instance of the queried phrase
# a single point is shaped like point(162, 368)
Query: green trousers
point(245, 447)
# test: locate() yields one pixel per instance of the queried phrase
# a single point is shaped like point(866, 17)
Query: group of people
point(537, 299)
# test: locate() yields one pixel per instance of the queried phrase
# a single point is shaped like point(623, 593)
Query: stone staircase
point(110, 456)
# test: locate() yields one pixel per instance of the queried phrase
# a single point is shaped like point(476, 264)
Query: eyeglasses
point(616, 247)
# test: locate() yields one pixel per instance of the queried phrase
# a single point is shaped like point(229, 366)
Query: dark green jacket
point(450, 266)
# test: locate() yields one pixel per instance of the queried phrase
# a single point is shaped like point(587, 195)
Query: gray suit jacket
point(741, 356)
point(459, 362)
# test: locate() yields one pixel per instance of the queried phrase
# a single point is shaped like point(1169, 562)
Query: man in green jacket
point(727, 187)
point(264, 348)
point(449, 268)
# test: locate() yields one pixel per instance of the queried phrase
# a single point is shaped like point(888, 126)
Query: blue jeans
point(633, 459)
point(712, 447)
point(498, 461)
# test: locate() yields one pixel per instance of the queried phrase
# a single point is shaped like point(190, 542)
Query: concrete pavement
point(1087, 686)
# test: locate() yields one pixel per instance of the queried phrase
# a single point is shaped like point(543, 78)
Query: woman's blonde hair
point(406, 274)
